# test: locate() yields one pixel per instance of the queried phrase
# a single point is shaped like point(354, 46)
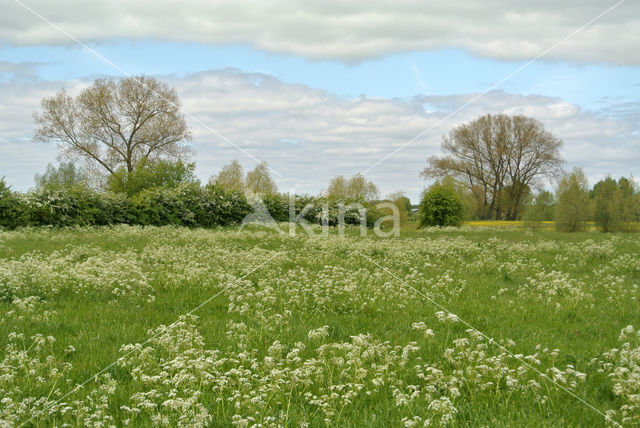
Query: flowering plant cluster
point(314, 330)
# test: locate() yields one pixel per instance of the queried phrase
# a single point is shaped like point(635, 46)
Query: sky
point(319, 89)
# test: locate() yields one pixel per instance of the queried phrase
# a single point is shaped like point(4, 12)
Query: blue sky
point(399, 75)
point(333, 101)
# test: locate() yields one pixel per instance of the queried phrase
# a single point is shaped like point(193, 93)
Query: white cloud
point(349, 31)
point(309, 135)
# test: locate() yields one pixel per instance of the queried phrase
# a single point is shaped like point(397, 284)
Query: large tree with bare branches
point(116, 123)
point(500, 158)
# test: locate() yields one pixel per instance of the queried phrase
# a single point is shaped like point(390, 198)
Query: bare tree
point(497, 156)
point(116, 123)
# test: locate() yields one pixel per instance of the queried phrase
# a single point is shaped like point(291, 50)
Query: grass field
point(469, 327)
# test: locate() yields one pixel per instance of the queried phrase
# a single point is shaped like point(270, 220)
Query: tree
point(116, 123)
point(338, 188)
point(354, 189)
point(615, 204)
point(161, 173)
point(259, 180)
point(573, 209)
point(360, 189)
point(400, 198)
point(497, 157)
point(630, 204)
point(542, 209)
point(462, 192)
point(230, 177)
point(607, 205)
point(440, 206)
point(402, 203)
point(66, 175)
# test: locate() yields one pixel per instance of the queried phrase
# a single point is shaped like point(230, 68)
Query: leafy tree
point(440, 206)
point(354, 189)
point(542, 209)
point(630, 204)
point(400, 199)
point(116, 124)
point(615, 204)
point(66, 175)
point(338, 188)
point(161, 173)
point(230, 177)
point(607, 205)
point(498, 157)
point(259, 181)
point(402, 203)
point(573, 209)
point(462, 192)
point(360, 189)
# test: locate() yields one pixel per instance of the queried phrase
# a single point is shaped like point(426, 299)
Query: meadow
point(168, 326)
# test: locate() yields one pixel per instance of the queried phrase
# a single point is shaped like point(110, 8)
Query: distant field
point(220, 327)
point(520, 224)
point(547, 225)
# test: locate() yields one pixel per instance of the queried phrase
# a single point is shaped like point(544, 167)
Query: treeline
point(496, 165)
point(612, 205)
point(165, 193)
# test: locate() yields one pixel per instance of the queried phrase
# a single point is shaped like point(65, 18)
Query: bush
point(440, 207)
point(12, 210)
point(187, 204)
point(149, 175)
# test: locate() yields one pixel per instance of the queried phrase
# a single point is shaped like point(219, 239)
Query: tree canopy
point(259, 181)
point(116, 123)
point(499, 158)
point(230, 177)
point(66, 175)
point(354, 189)
point(440, 206)
point(574, 207)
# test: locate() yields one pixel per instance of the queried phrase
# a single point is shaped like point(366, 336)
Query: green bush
point(12, 209)
point(222, 207)
point(440, 207)
point(187, 204)
point(149, 175)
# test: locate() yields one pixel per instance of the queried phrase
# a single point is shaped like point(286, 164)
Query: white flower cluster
point(294, 346)
point(622, 367)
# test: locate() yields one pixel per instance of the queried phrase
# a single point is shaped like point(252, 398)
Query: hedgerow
point(188, 204)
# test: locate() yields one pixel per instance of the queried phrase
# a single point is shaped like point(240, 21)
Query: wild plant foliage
point(316, 330)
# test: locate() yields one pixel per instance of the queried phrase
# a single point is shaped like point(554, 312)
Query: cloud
point(17, 70)
point(348, 31)
point(309, 135)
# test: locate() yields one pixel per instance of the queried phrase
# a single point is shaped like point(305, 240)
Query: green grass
point(300, 284)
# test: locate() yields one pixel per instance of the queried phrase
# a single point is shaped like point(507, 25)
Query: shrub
point(187, 204)
point(12, 209)
point(148, 175)
point(440, 207)
point(222, 207)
